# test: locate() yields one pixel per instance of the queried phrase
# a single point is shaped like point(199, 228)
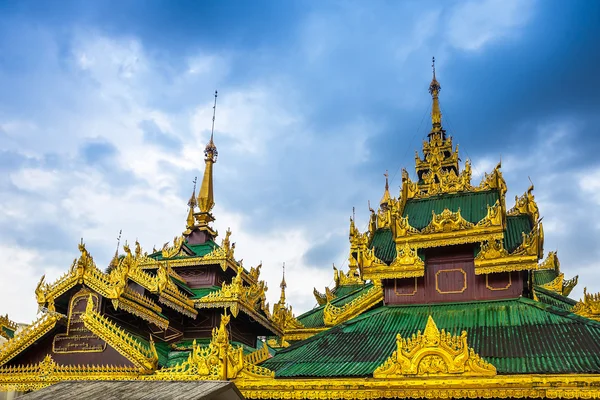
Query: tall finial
point(283, 285)
point(115, 260)
point(205, 195)
point(386, 193)
point(353, 213)
point(212, 131)
point(192, 203)
point(434, 90)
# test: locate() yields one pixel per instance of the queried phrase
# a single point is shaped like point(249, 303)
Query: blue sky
point(105, 109)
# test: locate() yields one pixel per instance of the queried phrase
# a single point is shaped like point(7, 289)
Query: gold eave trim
point(389, 272)
point(144, 358)
point(500, 386)
point(422, 241)
point(333, 315)
point(140, 311)
point(28, 336)
point(301, 334)
point(234, 305)
point(506, 264)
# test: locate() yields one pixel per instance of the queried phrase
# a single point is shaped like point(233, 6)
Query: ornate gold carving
point(28, 336)
point(6, 323)
point(145, 358)
point(352, 277)
point(493, 257)
point(407, 263)
point(556, 285)
point(171, 251)
point(258, 356)
point(236, 296)
point(442, 271)
point(447, 221)
point(47, 372)
point(333, 315)
point(433, 353)
point(219, 361)
point(589, 306)
point(526, 205)
point(432, 387)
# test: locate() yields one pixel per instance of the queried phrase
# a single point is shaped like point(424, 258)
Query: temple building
point(447, 294)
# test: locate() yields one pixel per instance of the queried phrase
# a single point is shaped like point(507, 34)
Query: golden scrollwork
point(589, 306)
point(333, 315)
point(433, 353)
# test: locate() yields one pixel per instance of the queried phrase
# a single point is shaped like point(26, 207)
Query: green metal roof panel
point(518, 336)
point(554, 299)
point(516, 225)
point(384, 245)
point(472, 205)
point(544, 276)
point(314, 317)
point(203, 291)
point(203, 249)
point(341, 291)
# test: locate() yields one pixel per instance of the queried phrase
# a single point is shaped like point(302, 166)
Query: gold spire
point(283, 285)
point(115, 260)
point(434, 90)
point(386, 194)
point(206, 200)
point(192, 206)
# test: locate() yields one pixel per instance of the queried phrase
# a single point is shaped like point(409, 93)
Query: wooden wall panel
point(450, 277)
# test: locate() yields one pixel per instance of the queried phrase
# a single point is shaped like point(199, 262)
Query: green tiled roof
point(199, 250)
point(201, 292)
point(473, 206)
point(518, 336)
point(341, 291)
point(554, 299)
point(314, 317)
point(384, 245)
point(544, 276)
point(515, 227)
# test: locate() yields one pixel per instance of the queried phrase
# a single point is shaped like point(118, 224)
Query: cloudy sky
point(105, 108)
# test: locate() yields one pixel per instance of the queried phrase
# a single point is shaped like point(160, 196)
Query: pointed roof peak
point(386, 193)
point(436, 114)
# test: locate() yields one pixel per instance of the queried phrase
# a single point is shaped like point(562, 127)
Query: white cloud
point(474, 24)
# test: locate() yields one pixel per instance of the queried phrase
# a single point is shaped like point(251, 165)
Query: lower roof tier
point(517, 336)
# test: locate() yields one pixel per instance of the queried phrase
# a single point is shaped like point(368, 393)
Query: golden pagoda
point(446, 295)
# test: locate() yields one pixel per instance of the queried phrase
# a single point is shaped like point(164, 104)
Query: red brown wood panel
point(450, 277)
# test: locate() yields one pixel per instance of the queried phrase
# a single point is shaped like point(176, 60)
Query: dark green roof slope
point(201, 292)
point(516, 225)
point(473, 206)
point(517, 336)
point(198, 250)
point(544, 276)
point(554, 299)
point(384, 245)
point(314, 317)
point(341, 291)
